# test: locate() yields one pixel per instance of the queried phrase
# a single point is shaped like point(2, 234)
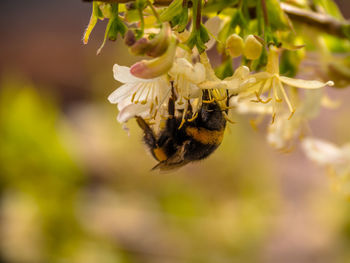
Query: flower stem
point(154, 11)
point(264, 10)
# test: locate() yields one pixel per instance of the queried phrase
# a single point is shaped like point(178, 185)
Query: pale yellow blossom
point(273, 84)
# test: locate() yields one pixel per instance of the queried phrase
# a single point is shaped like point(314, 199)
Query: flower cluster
point(258, 56)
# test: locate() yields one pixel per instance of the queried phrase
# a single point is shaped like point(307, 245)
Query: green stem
point(199, 14)
point(154, 11)
point(142, 21)
point(264, 10)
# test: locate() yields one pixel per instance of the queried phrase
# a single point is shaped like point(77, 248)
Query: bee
point(175, 147)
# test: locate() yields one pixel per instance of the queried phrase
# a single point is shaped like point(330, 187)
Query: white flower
point(234, 84)
point(139, 97)
point(186, 77)
point(284, 131)
point(326, 153)
point(336, 159)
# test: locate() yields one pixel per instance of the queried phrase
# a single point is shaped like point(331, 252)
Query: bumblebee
point(195, 140)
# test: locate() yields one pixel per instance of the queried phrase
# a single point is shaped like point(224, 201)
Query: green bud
point(129, 38)
point(252, 48)
point(234, 45)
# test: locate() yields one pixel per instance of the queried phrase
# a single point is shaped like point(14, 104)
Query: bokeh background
point(76, 188)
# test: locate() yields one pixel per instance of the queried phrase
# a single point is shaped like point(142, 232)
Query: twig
point(324, 22)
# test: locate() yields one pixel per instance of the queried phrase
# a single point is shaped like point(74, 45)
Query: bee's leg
point(205, 95)
point(190, 109)
point(149, 137)
point(171, 121)
point(227, 101)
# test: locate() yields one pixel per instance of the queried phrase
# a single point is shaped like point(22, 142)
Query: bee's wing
point(176, 161)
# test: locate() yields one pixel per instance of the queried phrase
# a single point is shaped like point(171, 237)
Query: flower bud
point(160, 42)
point(149, 69)
point(234, 45)
point(252, 48)
point(154, 47)
point(129, 39)
point(139, 47)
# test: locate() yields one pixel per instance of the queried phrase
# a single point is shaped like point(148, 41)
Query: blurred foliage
point(76, 188)
point(58, 205)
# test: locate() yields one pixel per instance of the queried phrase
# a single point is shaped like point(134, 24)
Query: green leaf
point(224, 70)
point(173, 10)
point(180, 20)
point(96, 14)
point(277, 18)
point(114, 26)
point(198, 39)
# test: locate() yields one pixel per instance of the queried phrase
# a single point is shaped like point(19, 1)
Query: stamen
point(228, 108)
point(273, 118)
point(262, 86)
point(133, 96)
point(193, 117)
point(260, 100)
point(218, 96)
point(183, 117)
point(142, 87)
point(227, 118)
point(151, 107)
point(182, 123)
point(209, 93)
point(291, 114)
point(148, 91)
point(277, 99)
point(291, 108)
point(155, 114)
point(208, 101)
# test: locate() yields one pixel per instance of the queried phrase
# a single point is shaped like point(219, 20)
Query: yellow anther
point(208, 101)
point(273, 118)
point(133, 97)
point(291, 114)
point(182, 123)
point(193, 117)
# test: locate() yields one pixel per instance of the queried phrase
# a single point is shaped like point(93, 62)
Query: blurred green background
point(75, 188)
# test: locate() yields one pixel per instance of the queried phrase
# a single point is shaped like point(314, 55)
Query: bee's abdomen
point(205, 136)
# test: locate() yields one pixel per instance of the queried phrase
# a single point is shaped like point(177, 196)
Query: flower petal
point(123, 75)
point(322, 152)
point(305, 84)
point(261, 76)
point(122, 92)
point(213, 25)
point(131, 111)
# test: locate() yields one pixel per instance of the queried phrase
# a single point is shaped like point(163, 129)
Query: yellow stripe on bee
point(160, 154)
point(205, 136)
